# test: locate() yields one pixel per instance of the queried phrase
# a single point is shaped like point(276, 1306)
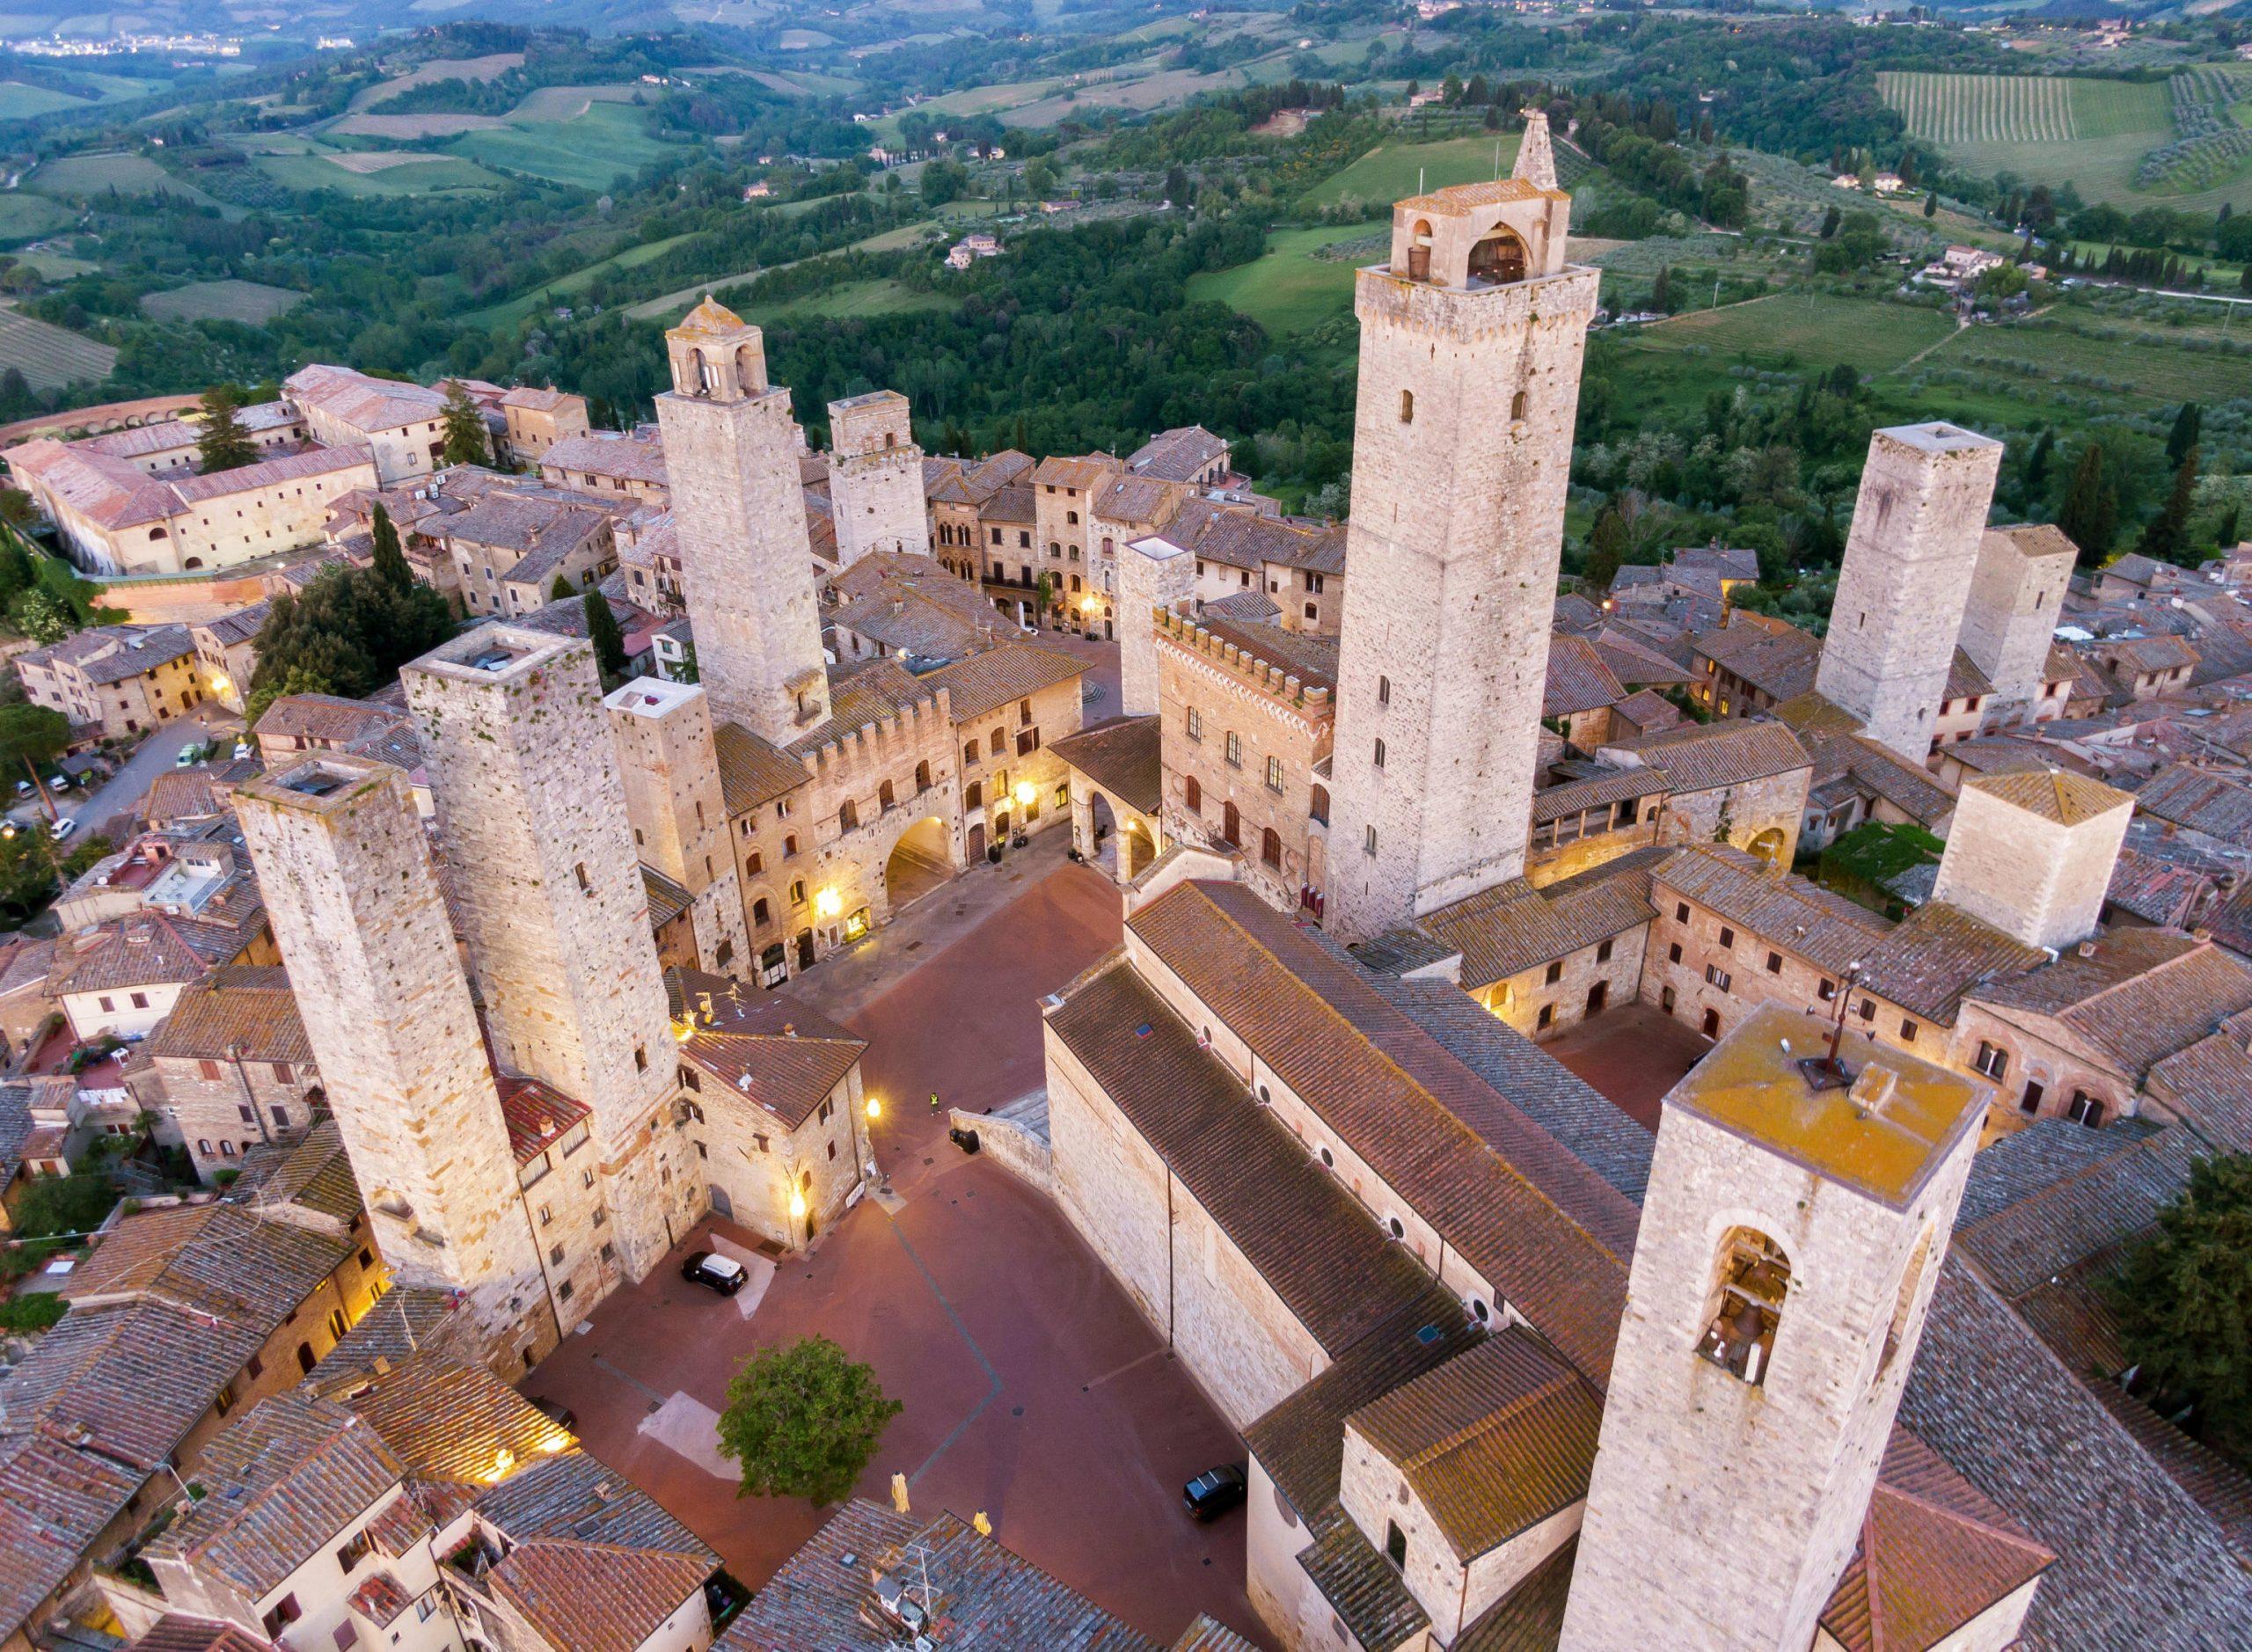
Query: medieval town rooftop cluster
point(470, 1001)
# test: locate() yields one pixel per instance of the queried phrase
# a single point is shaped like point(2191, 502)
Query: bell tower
point(1797, 1213)
point(1471, 336)
point(731, 456)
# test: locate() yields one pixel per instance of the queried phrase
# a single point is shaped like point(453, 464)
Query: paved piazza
point(1032, 1389)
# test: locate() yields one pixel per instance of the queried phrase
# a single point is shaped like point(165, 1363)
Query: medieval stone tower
point(1790, 1241)
point(345, 868)
point(875, 477)
point(2033, 853)
point(1471, 342)
point(673, 802)
point(532, 821)
point(2017, 591)
point(731, 450)
point(1153, 573)
point(1909, 558)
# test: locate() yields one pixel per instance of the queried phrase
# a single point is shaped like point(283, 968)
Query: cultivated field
point(1387, 173)
point(592, 150)
point(517, 309)
point(48, 357)
point(377, 173)
point(20, 102)
point(2100, 142)
point(23, 215)
point(437, 69)
point(81, 177)
point(1291, 288)
point(568, 103)
point(250, 303)
point(2142, 367)
point(414, 126)
point(1802, 329)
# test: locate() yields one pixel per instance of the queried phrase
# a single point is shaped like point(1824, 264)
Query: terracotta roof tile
point(1123, 757)
point(1579, 680)
point(752, 772)
point(241, 1010)
point(985, 682)
point(1730, 752)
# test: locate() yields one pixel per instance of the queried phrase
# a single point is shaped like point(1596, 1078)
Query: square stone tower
point(1909, 556)
point(1153, 574)
point(2017, 591)
point(1790, 1239)
point(673, 802)
point(1471, 341)
point(2033, 854)
point(875, 477)
point(345, 868)
point(532, 823)
point(731, 459)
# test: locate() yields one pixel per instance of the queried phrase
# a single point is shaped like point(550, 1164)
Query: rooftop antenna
point(1497, 160)
point(1419, 181)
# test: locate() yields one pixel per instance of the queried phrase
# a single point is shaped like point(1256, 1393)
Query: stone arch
point(1745, 1303)
point(1419, 250)
point(1768, 846)
point(1500, 257)
point(747, 367)
point(921, 859)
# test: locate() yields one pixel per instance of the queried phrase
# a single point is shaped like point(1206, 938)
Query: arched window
point(1751, 1276)
point(970, 752)
point(1379, 754)
point(996, 742)
point(1384, 691)
point(1192, 794)
point(1319, 807)
point(758, 912)
point(1270, 847)
point(746, 367)
point(922, 777)
point(848, 815)
point(1406, 406)
point(1500, 258)
point(1075, 582)
point(1516, 407)
point(1231, 824)
point(973, 795)
point(884, 795)
point(1911, 1277)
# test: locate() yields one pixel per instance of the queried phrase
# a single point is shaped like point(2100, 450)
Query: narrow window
point(1368, 843)
point(1379, 754)
point(1406, 406)
point(580, 872)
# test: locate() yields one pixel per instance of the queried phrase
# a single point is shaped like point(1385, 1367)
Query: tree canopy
point(348, 632)
point(223, 444)
point(803, 1421)
point(2184, 1301)
point(467, 441)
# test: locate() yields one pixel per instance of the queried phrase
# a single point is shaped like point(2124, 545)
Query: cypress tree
point(464, 428)
point(223, 444)
point(2189, 424)
point(390, 562)
point(2036, 462)
point(2090, 516)
point(2167, 538)
point(610, 643)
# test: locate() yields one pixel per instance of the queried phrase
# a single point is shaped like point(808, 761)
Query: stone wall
point(533, 825)
point(1152, 576)
point(1906, 576)
point(2033, 877)
point(1541, 1007)
point(1267, 715)
point(673, 801)
point(876, 478)
point(354, 904)
point(1462, 442)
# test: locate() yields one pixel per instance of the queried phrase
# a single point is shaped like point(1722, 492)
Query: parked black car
point(1215, 1491)
point(722, 1274)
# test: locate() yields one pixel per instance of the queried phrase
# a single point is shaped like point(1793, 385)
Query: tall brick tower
point(345, 868)
point(673, 802)
point(731, 453)
point(1153, 573)
point(532, 821)
point(1901, 592)
point(1471, 341)
point(2033, 853)
point(875, 477)
point(1789, 1243)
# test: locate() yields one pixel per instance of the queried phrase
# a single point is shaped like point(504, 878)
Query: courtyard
point(1032, 1390)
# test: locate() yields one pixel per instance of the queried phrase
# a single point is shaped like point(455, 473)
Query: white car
point(63, 827)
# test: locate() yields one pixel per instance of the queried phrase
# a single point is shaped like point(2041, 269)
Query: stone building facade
point(116, 679)
point(1910, 560)
point(875, 477)
point(1248, 721)
point(230, 1067)
point(353, 898)
point(538, 418)
point(533, 825)
point(677, 809)
point(1471, 336)
point(2032, 853)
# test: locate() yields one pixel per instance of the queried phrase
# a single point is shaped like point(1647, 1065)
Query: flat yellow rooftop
point(1883, 1136)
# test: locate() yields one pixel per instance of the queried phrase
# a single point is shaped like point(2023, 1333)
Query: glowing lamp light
point(684, 1028)
point(503, 1460)
point(797, 1207)
point(829, 903)
point(219, 683)
point(876, 1109)
point(1026, 792)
